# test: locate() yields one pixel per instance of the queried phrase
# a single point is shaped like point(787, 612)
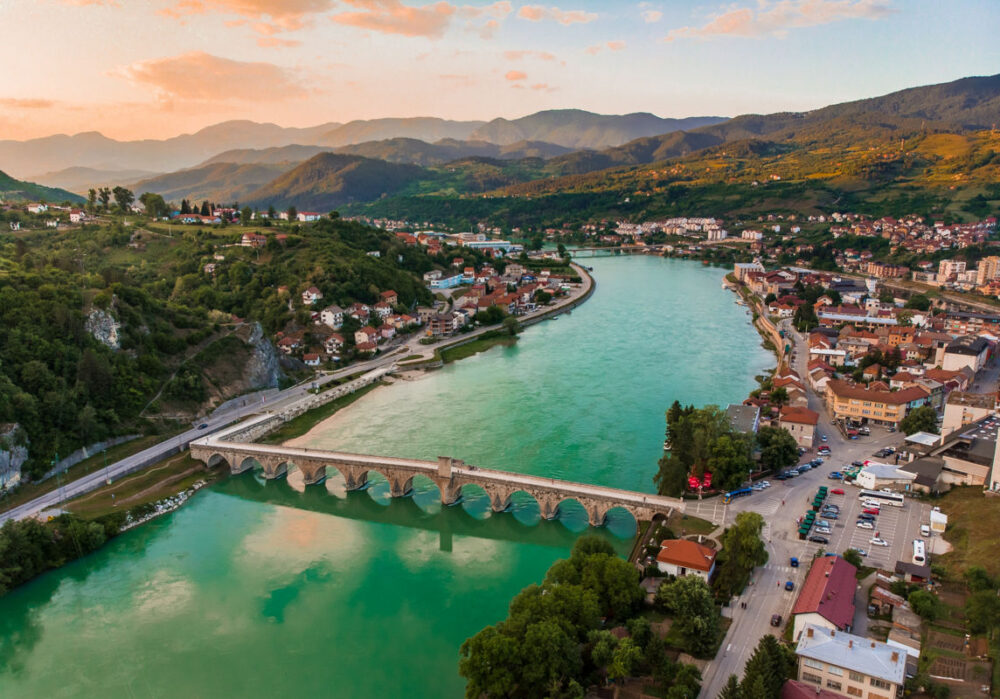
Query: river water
point(263, 589)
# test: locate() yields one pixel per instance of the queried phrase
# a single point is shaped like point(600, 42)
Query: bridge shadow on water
point(422, 509)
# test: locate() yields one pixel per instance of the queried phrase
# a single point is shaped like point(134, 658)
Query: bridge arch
point(619, 518)
point(216, 459)
point(425, 492)
point(475, 499)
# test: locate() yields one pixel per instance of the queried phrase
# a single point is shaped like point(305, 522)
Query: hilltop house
point(311, 296)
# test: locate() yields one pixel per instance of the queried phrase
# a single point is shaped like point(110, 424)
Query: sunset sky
point(157, 68)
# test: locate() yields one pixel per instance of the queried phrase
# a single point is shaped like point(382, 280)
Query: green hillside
point(15, 190)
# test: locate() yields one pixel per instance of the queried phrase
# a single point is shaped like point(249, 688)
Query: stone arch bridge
point(450, 475)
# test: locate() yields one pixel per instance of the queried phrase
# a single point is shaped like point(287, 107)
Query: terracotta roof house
point(801, 423)
point(682, 557)
point(827, 596)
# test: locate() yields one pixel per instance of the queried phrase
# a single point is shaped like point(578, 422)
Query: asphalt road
point(781, 505)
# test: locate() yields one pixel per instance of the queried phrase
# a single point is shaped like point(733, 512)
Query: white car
point(865, 525)
point(878, 541)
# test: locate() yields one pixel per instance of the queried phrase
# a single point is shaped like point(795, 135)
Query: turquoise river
point(258, 589)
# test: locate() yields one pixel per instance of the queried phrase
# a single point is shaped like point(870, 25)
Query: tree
point(742, 550)
point(885, 296)
point(271, 213)
point(246, 215)
point(123, 198)
point(853, 557)
point(922, 419)
point(104, 194)
point(624, 660)
point(925, 604)
point(561, 249)
point(778, 448)
point(185, 206)
point(205, 211)
point(779, 396)
point(919, 302)
point(511, 326)
point(91, 199)
point(334, 215)
point(292, 213)
point(696, 617)
point(155, 205)
point(767, 669)
point(732, 689)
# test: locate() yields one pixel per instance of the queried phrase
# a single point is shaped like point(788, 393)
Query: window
point(857, 677)
point(835, 686)
point(813, 663)
point(834, 670)
point(854, 692)
point(809, 677)
point(881, 684)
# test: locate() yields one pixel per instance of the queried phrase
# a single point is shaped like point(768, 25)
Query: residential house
point(801, 423)
point(849, 665)
point(366, 334)
point(744, 418)
point(962, 408)
point(311, 359)
point(387, 332)
point(333, 343)
point(883, 407)
point(390, 297)
point(306, 216)
point(681, 557)
point(826, 598)
point(383, 310)
point(253, 240)
point(968, 351)
point(332, 316)
point(366, 347)
point(311, 296)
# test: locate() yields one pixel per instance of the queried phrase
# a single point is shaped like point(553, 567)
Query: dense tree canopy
point(922, 419)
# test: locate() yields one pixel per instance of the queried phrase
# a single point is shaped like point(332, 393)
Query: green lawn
point(475, 347)
point(306, 421)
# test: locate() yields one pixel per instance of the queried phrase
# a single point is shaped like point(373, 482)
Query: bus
point(884, 497)
point(919, 555)
point(733, 494)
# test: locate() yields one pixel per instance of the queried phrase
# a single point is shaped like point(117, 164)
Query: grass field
point(306, 421)
point(475, 347)
point(168, 477)
point(30, 491)
point(972, 520)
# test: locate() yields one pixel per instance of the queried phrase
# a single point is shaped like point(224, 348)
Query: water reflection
point(473, 517)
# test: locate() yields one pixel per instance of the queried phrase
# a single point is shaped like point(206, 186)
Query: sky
point(158, 68)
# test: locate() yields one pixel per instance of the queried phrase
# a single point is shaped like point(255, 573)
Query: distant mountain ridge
point(220, 182)
point(566, 128)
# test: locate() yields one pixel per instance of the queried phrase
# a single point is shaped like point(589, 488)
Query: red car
point(837, 491)
point(871, 510)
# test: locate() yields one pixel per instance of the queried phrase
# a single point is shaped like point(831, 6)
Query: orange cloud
point(393, 17)
point(609, 45)
point(776, 18)
point(273, 42)
point(651, 16)
point(201, 76)
point(520, 55)
point(537, 13)
point(289, 15)
point(515, 75)
point(29, 103)
point(543, 86)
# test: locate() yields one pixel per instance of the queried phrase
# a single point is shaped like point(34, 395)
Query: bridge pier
point(450, 493)
point(354, 478)
point(400, 487)
point(596, 515)
point(275, 471)
point(499, 502)
point(548, 507)
point(238, 466)
point(313, 472)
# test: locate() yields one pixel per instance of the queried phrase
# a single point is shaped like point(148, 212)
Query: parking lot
point(899, 526)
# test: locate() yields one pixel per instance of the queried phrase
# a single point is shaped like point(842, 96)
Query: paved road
point(275, 402)
point(781, 505)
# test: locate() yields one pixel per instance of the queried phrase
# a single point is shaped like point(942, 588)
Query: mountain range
point(45, 159)
point(335, 164)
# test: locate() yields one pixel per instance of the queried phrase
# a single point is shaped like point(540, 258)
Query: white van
point(925, 530)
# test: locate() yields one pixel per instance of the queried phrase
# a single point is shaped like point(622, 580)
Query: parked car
point(816, 539)
point(863, 524)
point(864, 431)
point(837, 491)
point(831, 507)
point(830, 515)
point(823, 437)
point(858, 464)
point(823, 450)
point(790, 585)
point(781, 477)
point(835, 475)
point(866, 517)
point(775, 620)
point(202, 425)
point(793, 562)
point(878, 541)
point(925, 530)
point(861, 552)
point(871, 511)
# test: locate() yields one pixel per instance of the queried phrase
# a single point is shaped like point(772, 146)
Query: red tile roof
point(801, 416)
point(845, 390)
point(829, 591)
point(687, 554)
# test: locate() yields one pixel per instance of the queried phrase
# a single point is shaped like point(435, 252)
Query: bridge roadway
point(450, 475)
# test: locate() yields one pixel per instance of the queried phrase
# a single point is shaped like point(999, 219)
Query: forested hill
point(16, 190)
point(175, 320)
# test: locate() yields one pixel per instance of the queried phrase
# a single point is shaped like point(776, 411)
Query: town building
point(801, 423)
point(849, 665)
point(311, 296)
point(968, 351)
point(962, 408)
point(875, 476)
point(826, 598)
point(681, 557)
point(882, 407)
point(744, 418)
point(332, 316)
